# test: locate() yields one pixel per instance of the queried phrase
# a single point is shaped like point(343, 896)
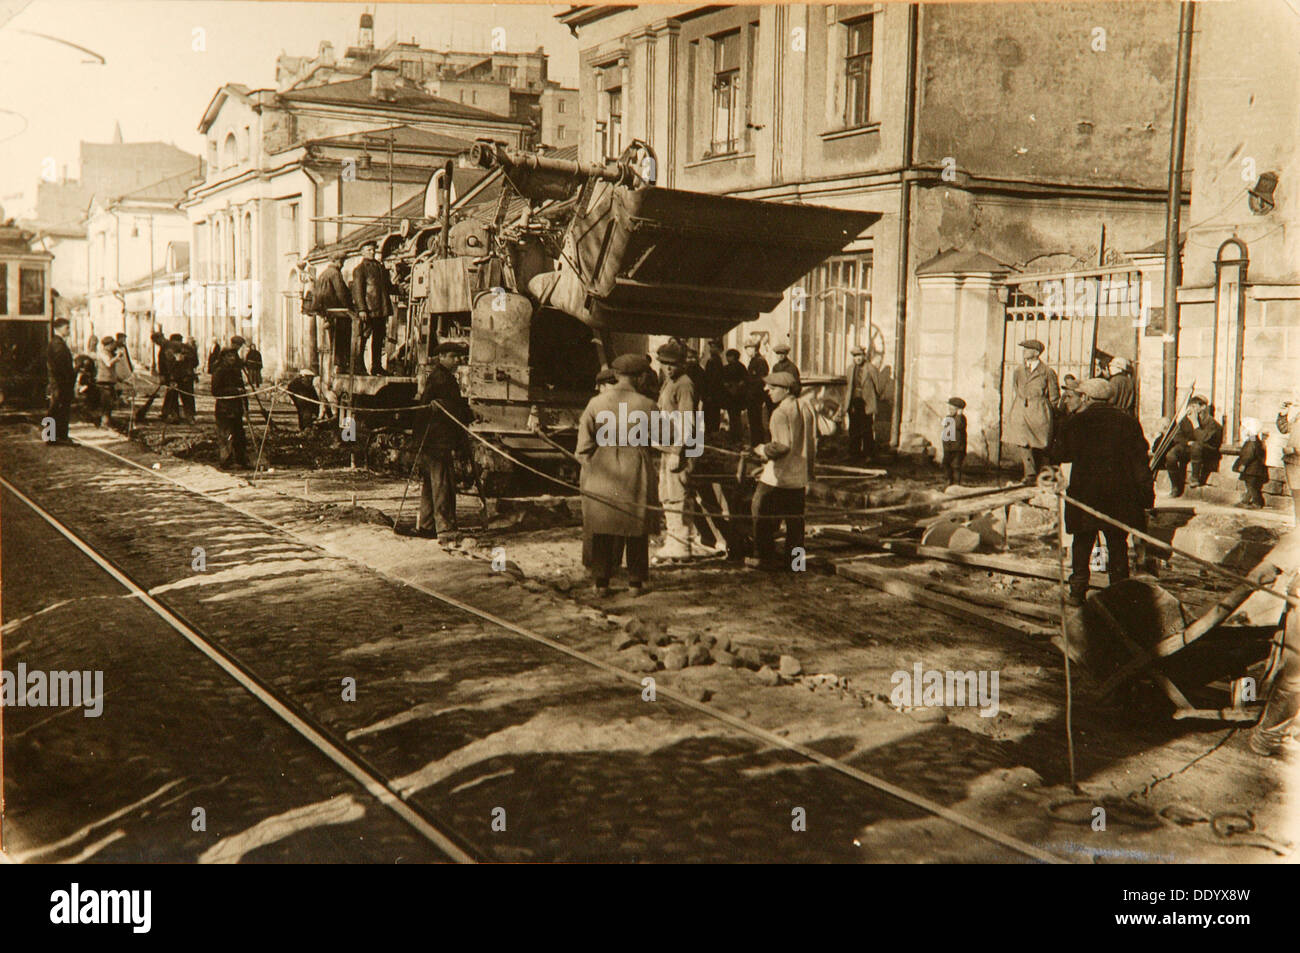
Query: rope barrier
point(1169, 547)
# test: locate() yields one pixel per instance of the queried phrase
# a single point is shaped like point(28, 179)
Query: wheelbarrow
point(1135, 631)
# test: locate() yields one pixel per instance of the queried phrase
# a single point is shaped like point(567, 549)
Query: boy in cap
point(1029, 423)
point(1250, 464)
point(616, 482)
point(952, 437)
point(783, 362)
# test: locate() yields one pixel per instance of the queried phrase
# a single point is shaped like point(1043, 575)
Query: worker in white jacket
point(783, 482)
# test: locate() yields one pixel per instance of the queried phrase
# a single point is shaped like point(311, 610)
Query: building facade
point(513, 84)
point(1239, 300)
point(289, 171)
point(128, 239)
point(999, 137)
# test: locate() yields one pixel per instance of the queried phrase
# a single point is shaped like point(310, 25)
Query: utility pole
point(1173, 208)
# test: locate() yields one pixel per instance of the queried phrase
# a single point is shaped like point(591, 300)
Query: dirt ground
point(1011, 767)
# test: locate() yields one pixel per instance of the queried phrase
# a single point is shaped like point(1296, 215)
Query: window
point(836, 315)
point(229, 152)
point(560, 133)
point(31, 291)
point(559, 106)
point(248, 143)
point(291, 228)
point(614, 99)
point(600, 141)
point(726, 93)
point(857, 72)
point(473, 93)
point(4, 288)
point(246, 246)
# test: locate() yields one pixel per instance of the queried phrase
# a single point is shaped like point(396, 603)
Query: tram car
point(26, 317)
point(572, 265)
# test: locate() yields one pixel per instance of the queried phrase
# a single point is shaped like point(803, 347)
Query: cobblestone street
point(466, 717)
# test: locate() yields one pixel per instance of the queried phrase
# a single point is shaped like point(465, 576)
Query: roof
point(170, 189)
point(404, 137)
point(357, 92)
point(957, 261)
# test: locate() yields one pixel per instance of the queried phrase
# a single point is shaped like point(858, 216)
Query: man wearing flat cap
point(1107, 453)
point(443, 436)
point(1197, 441)
point(676, 398)
point(1029, 423)
point(617, 481)
point(370, 296)
point(865, 390)
point(231, 398)
point(756, 401)
point(789, 468)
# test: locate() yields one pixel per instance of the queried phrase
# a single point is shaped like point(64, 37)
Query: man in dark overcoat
point(442, 438)
point(618, 478)
point(1108, 455)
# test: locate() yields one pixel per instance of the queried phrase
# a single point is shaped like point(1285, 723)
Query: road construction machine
point(566, 265)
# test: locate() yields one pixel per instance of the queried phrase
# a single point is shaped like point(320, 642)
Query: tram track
point(384, 788)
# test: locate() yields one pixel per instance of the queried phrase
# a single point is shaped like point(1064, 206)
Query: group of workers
point(356, 312)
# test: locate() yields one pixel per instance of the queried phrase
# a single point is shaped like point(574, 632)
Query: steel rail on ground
point(455, 847)
point(880, 784)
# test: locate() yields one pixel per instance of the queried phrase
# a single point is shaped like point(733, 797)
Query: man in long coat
point(1107, 452)
point(866, 388)
point(617, 479)
point(1029, 424)
point(62, 379)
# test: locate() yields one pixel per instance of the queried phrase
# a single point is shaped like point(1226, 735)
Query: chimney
point(383, 83)
point(326, 54)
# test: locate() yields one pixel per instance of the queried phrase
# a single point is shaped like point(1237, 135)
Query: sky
point(156, 84)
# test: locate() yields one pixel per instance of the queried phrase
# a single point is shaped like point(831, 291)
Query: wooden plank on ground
point(895, 585)
point(1011, 565)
